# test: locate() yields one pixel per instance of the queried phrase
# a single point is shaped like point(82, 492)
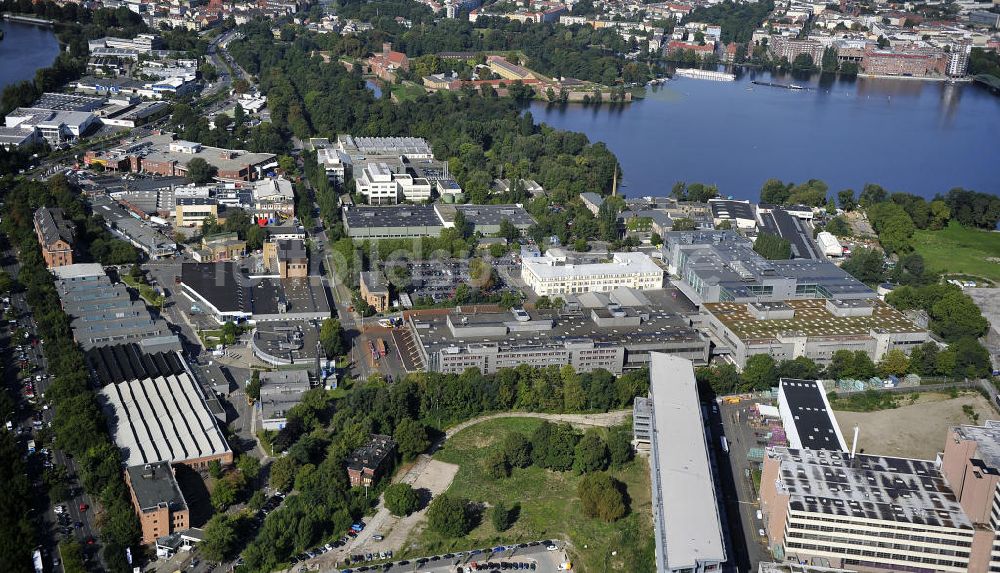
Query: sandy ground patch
point(913, 430)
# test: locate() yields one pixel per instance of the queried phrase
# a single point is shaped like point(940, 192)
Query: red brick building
point(369, 462)
point(55, 235)
point(917, 63)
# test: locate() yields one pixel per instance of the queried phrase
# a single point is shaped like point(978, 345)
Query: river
point(23, 50)
point(907, 135)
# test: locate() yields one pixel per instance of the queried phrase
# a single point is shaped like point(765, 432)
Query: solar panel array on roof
point(123, 362)
point(807, 416)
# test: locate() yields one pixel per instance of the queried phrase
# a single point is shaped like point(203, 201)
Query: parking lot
point(436, 280)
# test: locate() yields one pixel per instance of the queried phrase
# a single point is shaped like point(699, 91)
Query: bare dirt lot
point(914, 429)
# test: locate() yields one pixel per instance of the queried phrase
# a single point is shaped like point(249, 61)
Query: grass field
point(407, 91)
point(549, 506)
point(960, 250)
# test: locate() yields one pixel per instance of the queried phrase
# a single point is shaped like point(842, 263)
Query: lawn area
point(550, 508)
point(957, 249)
point(407, 91)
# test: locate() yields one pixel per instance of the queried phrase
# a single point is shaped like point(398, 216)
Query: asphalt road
point(739, 495)
point(27, 412)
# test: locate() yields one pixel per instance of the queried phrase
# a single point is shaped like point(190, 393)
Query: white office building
point(553, 274)
point(382, 186)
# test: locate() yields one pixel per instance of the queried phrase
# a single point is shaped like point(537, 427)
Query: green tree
point(872, 194)
point(845, 198)
point(220, 538)
point(894, 363)
point(249, 466)
point(517, 449)
point(866, 265)
point(282, 476)
point(620, 447)
point(601, 497)
point(553, 446)
point(229, 332)
point(772, 247)
point(775, 192)
point(215, 469)
point(760, 372)
point(449, 516)
point(253, 387)
point(496, 465)
point(331, 337)
point(411, 436)
point(591, 453)
point(803, 63)
point(956, 316)
point(839, 227)
point(200, 171)
point(225, 492)
point(401, 499)
point(503, 517)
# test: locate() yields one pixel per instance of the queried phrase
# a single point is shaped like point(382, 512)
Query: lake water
point(907, 135)
point(23, 50)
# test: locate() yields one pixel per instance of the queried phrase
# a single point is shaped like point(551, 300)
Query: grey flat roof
point(685, 512)
point(145, 235)
point(219, 284)
point(869, 487)
point(487, 215)
point(155, 484)
point(659, 327)
point(162, 419)
point(281, 390)
point(392, 216)
point(730, 209)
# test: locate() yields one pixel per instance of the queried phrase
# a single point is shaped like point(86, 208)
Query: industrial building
point(165, 155)
point(741, 214)
point(720, 266)
point(280, 391)
point(557, 273)
point(56, 236)
point(486, 219)
point(686, 522)
point(612, 337)
point(141, 233)
point(157, 500)
point(287, 342)
point(104, 314)
point(228, 293)
point(164, 418)
point(391, 222)
point(814, 328)
point(807, 416)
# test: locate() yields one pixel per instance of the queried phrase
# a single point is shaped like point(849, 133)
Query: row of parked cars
point(436, 560)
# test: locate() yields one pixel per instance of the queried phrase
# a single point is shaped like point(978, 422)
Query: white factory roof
point(621, 264)
point(685, 509)
point(78, 270)
point(162, 419)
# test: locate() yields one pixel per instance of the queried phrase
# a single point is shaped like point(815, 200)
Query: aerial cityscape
point(445, 286)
